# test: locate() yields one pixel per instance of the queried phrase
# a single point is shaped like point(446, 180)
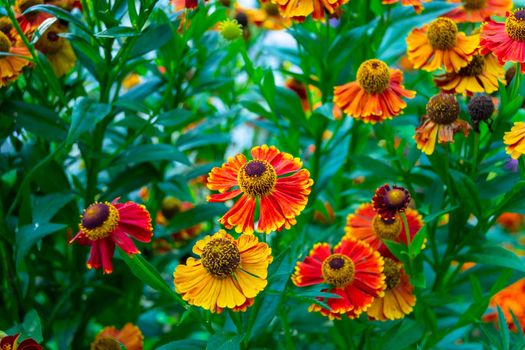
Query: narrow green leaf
point(151, 153)
point(86, 114)
point(117, 32)
point(503, 329)
point(28, 235)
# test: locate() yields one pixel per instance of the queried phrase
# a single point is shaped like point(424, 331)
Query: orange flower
point(30, 21)
point(512, 222)
point(354, 271)
point(399, 299)
point(267, 16)
point(376, 95)
point(417, 4)
point(11, 66)
point(300, 89)
point(439, 43)
point(515, 140)
point(299, 9)
point(478, 10)
point(57, 49)
point(509, 298)
point(281, 198)
point(129, 336)
point(441, 123)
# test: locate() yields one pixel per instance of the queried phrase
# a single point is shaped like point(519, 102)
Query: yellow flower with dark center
point(57, 49)
point(230, 29)
point(5, 25)
point(515, 140)
point(373, 76)
point(338, 270)
point(11, 66)
point(442, 33)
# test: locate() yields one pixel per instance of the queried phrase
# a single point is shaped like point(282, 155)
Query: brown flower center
point(257, 178)
point(515, 25)
point(474, 4)
point(442, 33)
point(474, 68)
point(5, 24)
point(170, 207)
point(99, 220)
point(386, 229)
point(480, 107)
point(338, 270)
point(392, 272)
point(242, 19)
point(105, 343)
point(220, 257)
point(5, 43)
point(443, 109)
point(373, 76)
point(271, 9)
point(50, 42)
point(23, 5)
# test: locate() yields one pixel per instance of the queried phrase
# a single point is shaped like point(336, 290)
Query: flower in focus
point(299, 9)
point(440, 44)
point(10, 342)
point(105, 224)
point(129, 336)
point(57, 49)
point(229, 273)
point(368, 226)
point(281, 197)
point(399, 299)
point(11, 66)
point(354, 271)
point(417, 4)
point(268, 16)
point(388, 202)
point(515, 140)
point(478, 10)
point(509, 298)
point(376, 95)
point(505, 40)
point(441, 122)
point(230, 29)
point(481, 108)
point(512, 222)
point(480, 75)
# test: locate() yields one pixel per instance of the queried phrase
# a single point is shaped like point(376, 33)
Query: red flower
point(105, 224)
point(10, 342)
point(388, 202)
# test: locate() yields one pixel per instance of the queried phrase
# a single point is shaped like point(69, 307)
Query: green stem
point(407, 230)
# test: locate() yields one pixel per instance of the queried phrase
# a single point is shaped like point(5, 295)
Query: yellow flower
point(11, 66)
point(57, 49)
point(515, 140)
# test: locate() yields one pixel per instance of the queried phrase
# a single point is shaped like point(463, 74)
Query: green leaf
point(503, 330)
point(37, 119)
point(194, 216)
point(151, 153)
point(417, 243)
point(86, 114)
point(60, 13)
point(28, 235)
point(117, 32)
point(227, 341)
point(186, 344)
point(45, 207)
point(496, 256)
point(151, 39)
point(31, 327)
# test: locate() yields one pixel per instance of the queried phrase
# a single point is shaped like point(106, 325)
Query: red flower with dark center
point(10, 342)
point(390, 201)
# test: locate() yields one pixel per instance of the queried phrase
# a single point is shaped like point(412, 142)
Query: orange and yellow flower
point(512, 222)
point(354, 271)
point(11, 66)
point(478, 10)
point(10, 342)
point(105, 224)
point(399, 299)
point(30, 21)
point(440, 44)
point(57, 49)
point(268, 16)
point(515, 140)
point(274, 178)
point(300, 9)
point(376, 95)
point(129, 336)
point(509, 298)
point(417, 4)
point(229, 273)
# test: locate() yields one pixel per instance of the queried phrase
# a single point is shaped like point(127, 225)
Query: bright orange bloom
point(512, 222)
point(417, 4)
point(506, 40)
point(478, 10)
point(129, 336)
point(509, 298)
point(368, 226)
point(515, 140)
point(11, 66)
point(268, 16)
point(399, 299)
point(440, 44)
point(229, 273)
point(281, 197)
point(299, 9)
point(376, 95)
point(354, 271)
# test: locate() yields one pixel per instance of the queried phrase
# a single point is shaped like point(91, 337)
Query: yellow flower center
point(271, 9)
point(170, 207)
point(5, 24)
point(442, 33)
point(443, 109)
point(373, 76)
point(386, 229)
point(338, 270)
point(396, 197)
point(474, 4)
point(5, 43)
point(99, 220)
point(230, 29)
point(23, 5)
point(257, 178)
point(105, 343)
point(50, 42)
point(392, 273)
point(474, 68)
point(220, 257)
point(515, 25)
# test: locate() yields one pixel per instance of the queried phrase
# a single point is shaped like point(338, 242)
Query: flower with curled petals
point(274, 178)
point(388, 202)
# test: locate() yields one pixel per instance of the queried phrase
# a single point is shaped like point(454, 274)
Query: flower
point(440, 43)
point(267, 16)
point(299, 88)
point(441, 122)
point(281, 198)
point(515, 140)
point(376, 95)
point(11, 66)
point(66, 4)
point(478, 10)
point(30, 21)
point(481, 108)
point(399, 299)
point(390, 201)
point(299, 9)
point(354, 271)
point(229, 274)
point(480, 75)
point(184, 4)
point(105, 224)
point(505, 40)
point(509, 298)
point(230, 29)
point(129, 336)
point(10, 342)
point(365, 224)
point(5, 25)
point(131, 80)
point(512, 222)
point(417, 4)
point(57, 49)
point(170, 207)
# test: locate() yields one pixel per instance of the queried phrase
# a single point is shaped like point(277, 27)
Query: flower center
point(50, 42)
point(442, 33)
point(480, 107)
point(474, 4)
point(5, 24)
point(373, 76)
point(5, 43)
point(230, 29)
point(271, 9)
point(443, 109)
point(105, 343)
point(99, 220)
point(338, 270)
point(257, 178)
point(386, 229)
point(220, 257)
point(474, 68)
point(515, 25)
point(242, 19)
point(392, 272)
point(23, 5)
